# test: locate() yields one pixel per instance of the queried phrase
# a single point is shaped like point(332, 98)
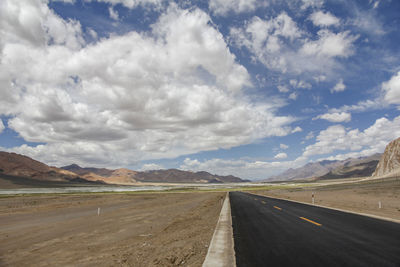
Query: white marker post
point(312, 197)
point(98, 211)
point(379, 205)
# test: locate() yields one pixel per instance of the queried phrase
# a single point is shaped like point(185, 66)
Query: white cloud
point(373, 139)
point(281, 156)
point(319, 78)
point(312, 3)
point(223, 7)
point(283, 146)
point(335, 117)
point(361, 106)
point(320, 18)
point(280, 45)
point(1, 126)
point(375, 4)
point(125, 98)
point(131, 4)
point(151, 166)
point(391, 89)
point(300, 84)
point(330, 44)
point(293, 96)
point(113, 13)
point(310, 135)
point(339, 87)
point(367, 22)
point(265, 39)
point(297, 130)
point(92, 33)
point(283, 88)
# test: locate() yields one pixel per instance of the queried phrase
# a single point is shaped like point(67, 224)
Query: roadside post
point(379, 205)
point(98, 211)
point(312, 198)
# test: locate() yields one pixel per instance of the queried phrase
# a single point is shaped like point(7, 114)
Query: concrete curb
point(326, 207)
point(221, 250)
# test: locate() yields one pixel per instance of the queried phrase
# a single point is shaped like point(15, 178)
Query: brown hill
point(15, 167)
point(179, 176)
point(126, 176)
point(361, 167)
point(389, 163)
point(13, 164)
point(331, 169)
point(82, 171)
point(118, 176)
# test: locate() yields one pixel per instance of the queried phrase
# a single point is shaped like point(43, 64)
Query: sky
point(242, 87)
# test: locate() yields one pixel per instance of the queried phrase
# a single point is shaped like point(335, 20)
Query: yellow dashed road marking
point(310, 221)
point(277, 208)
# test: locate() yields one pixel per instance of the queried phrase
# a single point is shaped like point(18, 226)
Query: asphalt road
point(273, 232)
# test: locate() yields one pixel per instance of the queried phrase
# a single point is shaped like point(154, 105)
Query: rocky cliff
point(390, 160)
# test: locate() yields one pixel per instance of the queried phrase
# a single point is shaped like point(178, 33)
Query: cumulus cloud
point(320, 18)
point(283, 88)
point(309, 136)
point(297, 130)
point(128, 97)
point(131, 4)
point(335, 117)
point(391, 89)
point(151, 166)
point(281, 155)
point(312, 3)
point(339, 87)
point(366, 105)
point(330, 44)
point(300, 84)
point(113, 13)
point(1, 126)
point(372, 140)
point(281, 45)
point(293, 96)
point(283, 146)
point(223, 7)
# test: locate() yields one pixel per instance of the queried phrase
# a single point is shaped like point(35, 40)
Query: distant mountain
point(126, 176)
point(82, 171)
point(179, 176)
point(331, 169)
point(13, 164)
point(389, 163)
point(118, 176)
point(361, 167)
point(24, 170)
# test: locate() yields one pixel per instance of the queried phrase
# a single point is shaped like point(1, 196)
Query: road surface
point(273, 232)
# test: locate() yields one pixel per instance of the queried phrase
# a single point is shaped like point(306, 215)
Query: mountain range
point(331, 169)
point(126, 176)
point(15, 167)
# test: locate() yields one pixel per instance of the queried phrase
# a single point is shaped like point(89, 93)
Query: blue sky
point(249, 88)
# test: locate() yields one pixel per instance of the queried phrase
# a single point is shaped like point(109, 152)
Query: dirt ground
point(358, 197)
point(158, 229)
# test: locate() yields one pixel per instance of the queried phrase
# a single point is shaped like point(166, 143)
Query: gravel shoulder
point(155, 229)
point(362, 197)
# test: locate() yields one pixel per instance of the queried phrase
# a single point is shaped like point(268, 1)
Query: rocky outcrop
point(390, 160)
